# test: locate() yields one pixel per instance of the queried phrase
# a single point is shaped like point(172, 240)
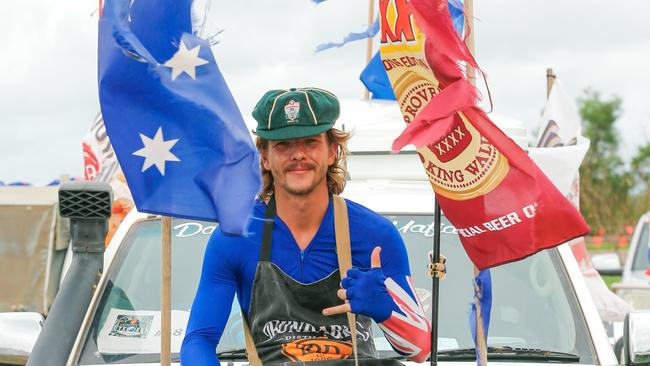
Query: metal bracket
point(439, 269)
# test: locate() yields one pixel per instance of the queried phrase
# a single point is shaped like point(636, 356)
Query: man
point(286, 271)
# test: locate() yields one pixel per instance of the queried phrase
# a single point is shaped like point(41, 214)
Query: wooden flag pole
point(469, 41)
point(371, 15)
point(481, 343)
point(550, 80)
point(166, 292)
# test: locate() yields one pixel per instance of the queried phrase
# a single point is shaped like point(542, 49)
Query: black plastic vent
point(85, 200)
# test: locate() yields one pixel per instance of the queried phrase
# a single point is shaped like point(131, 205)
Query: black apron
point(286, 322)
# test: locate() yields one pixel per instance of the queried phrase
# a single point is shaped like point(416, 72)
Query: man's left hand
point(365, 291)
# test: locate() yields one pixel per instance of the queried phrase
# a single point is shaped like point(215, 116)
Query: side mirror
point(636, 338)
point(607, 264)
point(18, 334)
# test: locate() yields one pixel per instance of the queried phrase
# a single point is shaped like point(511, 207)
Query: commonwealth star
point(156, 151)
point(185, 61)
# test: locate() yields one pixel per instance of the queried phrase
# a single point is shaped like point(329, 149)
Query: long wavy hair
point(336, 173)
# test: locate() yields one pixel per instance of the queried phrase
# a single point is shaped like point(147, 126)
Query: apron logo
point(292, 111)
point(284, 328)
point(316, 349)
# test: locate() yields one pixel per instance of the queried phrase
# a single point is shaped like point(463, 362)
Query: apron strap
point(265, 255)
point(267, 231)
point(344, 254)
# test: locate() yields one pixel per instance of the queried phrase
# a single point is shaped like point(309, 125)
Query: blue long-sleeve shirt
point(230, 261)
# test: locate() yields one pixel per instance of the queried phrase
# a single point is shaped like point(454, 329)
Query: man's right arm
point(212, 305)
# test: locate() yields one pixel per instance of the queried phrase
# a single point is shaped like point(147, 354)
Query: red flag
point(503, 206)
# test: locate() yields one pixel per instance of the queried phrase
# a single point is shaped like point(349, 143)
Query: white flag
point(560, 129)
point(561, 149)
point(561, 121)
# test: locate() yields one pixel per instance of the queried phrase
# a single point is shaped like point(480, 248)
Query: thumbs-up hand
point(366, 292)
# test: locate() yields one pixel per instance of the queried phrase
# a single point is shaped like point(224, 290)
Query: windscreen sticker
point(131, 326)
point(137, 332)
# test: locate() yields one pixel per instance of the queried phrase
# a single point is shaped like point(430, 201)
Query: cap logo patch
point(292, 111)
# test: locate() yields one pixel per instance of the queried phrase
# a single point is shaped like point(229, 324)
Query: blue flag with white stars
point(175, 127)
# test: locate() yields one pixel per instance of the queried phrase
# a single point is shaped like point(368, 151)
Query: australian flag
point(175, 127)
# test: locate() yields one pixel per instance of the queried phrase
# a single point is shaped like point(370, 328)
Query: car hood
point(493, 363)
point(639, 278)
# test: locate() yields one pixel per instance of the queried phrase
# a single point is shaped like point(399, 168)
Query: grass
point(609, 280)
point(605, 246)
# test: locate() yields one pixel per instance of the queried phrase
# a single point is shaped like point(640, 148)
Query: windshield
point(533, 305)
point(126, 325)
point(641, 255)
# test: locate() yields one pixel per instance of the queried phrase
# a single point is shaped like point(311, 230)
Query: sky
point(48, 90)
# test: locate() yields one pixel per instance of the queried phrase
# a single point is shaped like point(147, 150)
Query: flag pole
point(371, 15)
point(481, 343)
point(165, 300)
point(469, 41)
point(550, 79)
point(471, 76)
point(435, 285)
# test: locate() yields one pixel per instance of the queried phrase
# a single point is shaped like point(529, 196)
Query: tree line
point(613, 193)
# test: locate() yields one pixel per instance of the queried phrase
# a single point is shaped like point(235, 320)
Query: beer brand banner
point(503, 206)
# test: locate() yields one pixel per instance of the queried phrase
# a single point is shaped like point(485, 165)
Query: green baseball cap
point(295, 113)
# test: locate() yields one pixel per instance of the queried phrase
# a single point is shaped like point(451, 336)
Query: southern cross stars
point(156, 151)
point(185, 61)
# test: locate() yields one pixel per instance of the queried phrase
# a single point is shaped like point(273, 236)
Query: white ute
point(542, 311)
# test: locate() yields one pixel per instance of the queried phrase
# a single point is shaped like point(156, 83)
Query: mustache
point(302, 165)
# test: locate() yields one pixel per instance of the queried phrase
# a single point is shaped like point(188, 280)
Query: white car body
point(392, 197)
point(635, 284)
point(388, 184)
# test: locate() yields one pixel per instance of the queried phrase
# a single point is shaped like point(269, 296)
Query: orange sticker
point(317, 349)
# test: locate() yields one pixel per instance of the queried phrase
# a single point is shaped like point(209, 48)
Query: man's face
point(299, 165)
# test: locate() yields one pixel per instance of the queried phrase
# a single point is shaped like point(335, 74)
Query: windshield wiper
point(234, 354)
point(389, 355)
point(510, 353)
point(137, 358)
point(494, 353)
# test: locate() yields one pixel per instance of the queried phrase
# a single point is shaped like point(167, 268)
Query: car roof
point(392, 196)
